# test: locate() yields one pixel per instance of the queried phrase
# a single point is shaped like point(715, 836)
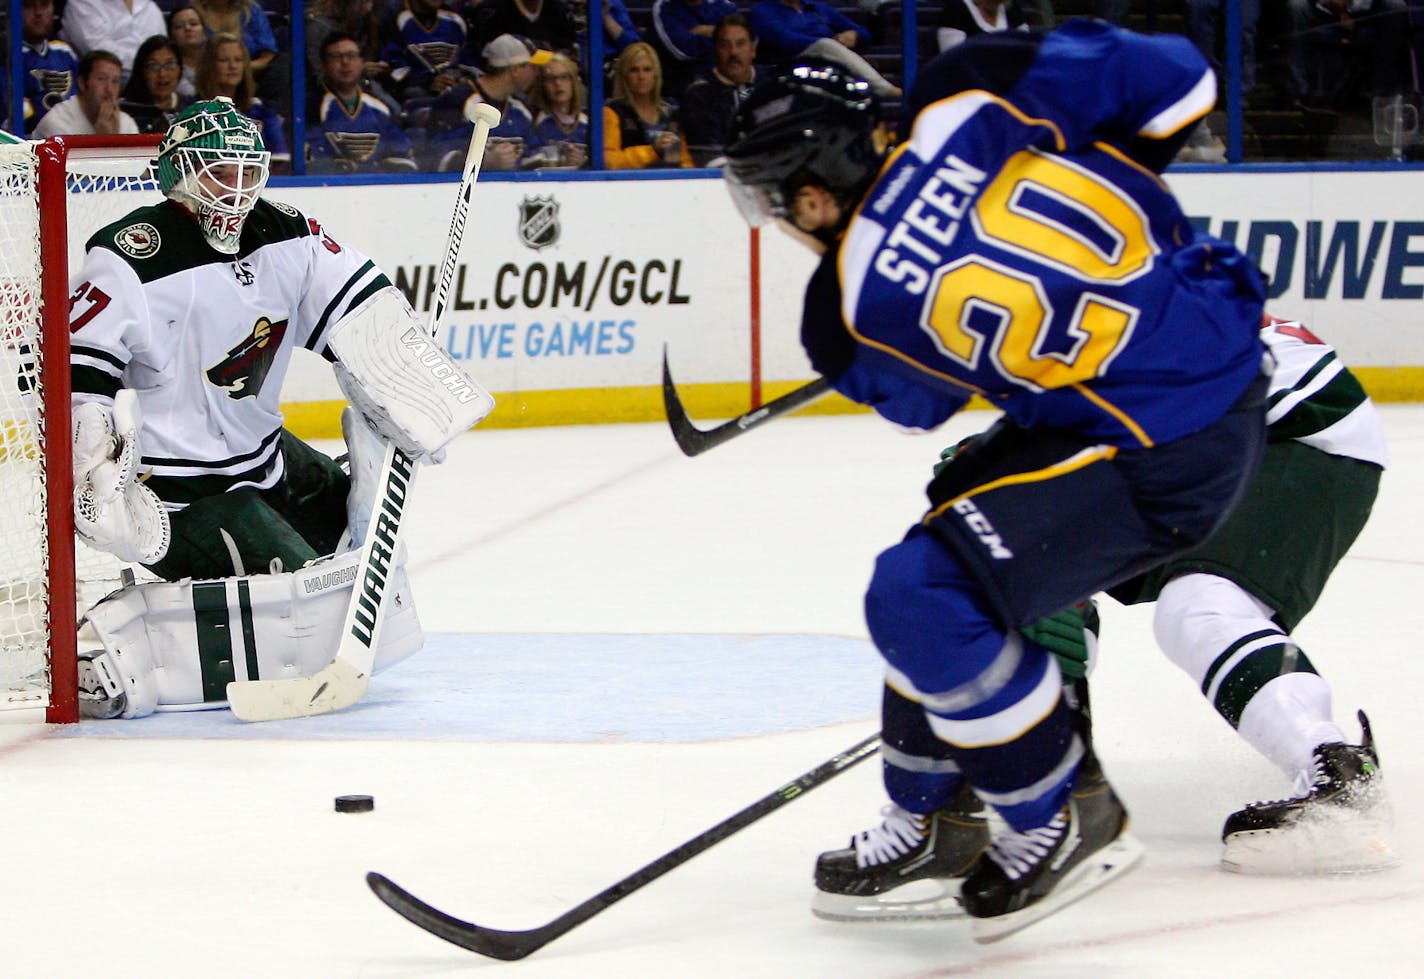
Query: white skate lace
point(1306, 784)
point(1018, 853)
point(900, 833)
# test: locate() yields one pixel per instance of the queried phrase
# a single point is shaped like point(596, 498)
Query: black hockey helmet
point(811, 122)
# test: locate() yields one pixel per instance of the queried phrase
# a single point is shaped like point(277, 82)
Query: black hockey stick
point(695, 441)
point(511, 945)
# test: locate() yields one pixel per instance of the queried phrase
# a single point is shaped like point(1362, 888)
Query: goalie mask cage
point(54, 194)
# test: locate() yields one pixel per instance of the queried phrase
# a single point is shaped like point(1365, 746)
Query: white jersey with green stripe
point(1315, 399)
point(206, 339)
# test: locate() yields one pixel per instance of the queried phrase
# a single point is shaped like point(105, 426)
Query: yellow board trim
point(707, 402)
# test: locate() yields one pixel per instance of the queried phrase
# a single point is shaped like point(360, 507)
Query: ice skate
point(909, 868)
point(1025, 877)
point(1342, 823)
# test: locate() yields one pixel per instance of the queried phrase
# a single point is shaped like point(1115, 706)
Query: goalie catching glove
point(112, 510)
point(399, 378)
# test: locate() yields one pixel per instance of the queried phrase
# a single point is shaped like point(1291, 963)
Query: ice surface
point(628, 646)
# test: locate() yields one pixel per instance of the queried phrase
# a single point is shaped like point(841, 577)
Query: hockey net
point(53, 195)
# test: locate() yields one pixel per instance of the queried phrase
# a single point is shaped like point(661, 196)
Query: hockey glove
point(113, 511)
point(1071, 635)
point(951, 453)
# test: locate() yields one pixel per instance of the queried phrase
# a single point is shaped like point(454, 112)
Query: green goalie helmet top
point(213, 162)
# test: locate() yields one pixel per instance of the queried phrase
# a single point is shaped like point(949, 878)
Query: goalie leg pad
point(396, 375)
point(266, 627)
point(365, 451)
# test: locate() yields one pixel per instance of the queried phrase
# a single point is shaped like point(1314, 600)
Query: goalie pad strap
point(396, 375)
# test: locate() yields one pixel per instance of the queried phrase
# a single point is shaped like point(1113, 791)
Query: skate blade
point(1103, 867)
point(1314, 848)
point(934, 899)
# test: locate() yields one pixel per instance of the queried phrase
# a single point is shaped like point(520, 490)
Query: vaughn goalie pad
point(177, 645)
point(396, 375)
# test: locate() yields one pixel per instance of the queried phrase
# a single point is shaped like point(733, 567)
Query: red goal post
point(54, 194)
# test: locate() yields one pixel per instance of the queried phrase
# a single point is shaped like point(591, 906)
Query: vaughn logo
point(539, 222)
point(433, 359)
point(246, 365)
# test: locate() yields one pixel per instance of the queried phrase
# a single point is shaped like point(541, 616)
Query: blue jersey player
point(1018, 245)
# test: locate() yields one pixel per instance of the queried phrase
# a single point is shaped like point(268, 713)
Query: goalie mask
point(813, 123)
point(212, 161)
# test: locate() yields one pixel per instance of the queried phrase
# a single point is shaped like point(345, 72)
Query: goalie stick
point(511, 945)
point(695, 441)
point(344, 680)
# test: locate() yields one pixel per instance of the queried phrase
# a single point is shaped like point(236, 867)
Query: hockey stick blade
point(511, 945)
point(695, 441)
point(335, 686)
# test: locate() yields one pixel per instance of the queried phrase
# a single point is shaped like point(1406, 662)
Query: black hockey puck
point(355, 803)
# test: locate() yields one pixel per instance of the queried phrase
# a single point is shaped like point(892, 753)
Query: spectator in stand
point(115, 26)
point(792, 29)
point(639, 128)
point(50, 66)
point(271, 69)
point(710, 103)
point(1329, 38)
point(684, 29)
point(511, 69)
point(1205, 18)
point(548, 23)
point(226, 70)
point(151, 96)
point(355, 17)
point(95, 107)
point(962, 19)
point(6, 136)
point(189, 36)
point(619, 31)
point(560, 131)
point(354, 131)
point(425, 50)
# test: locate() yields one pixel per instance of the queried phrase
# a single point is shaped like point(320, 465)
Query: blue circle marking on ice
point(574, 687)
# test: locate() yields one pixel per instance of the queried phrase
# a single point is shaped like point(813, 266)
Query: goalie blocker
point(409, 390)
point(267, 626)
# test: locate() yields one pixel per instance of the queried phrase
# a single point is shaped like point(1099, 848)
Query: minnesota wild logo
point(244, 369)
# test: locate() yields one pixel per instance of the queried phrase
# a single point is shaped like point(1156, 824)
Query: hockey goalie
point(184, 320)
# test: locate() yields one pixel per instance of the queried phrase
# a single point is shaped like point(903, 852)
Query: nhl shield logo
point(539, 222)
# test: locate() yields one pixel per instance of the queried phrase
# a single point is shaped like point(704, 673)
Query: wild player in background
point(184, 320)
point(1225, 612)
point(1018, 245)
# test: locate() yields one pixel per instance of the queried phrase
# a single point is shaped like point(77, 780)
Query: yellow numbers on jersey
point(1058, 216)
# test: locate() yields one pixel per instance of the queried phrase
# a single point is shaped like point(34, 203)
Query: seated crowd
point(388, 82)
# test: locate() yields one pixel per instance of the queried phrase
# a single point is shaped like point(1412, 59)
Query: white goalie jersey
point(206, 339)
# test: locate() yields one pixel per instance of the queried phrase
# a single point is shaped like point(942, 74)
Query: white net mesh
point(24, 670)
point(103, 184)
